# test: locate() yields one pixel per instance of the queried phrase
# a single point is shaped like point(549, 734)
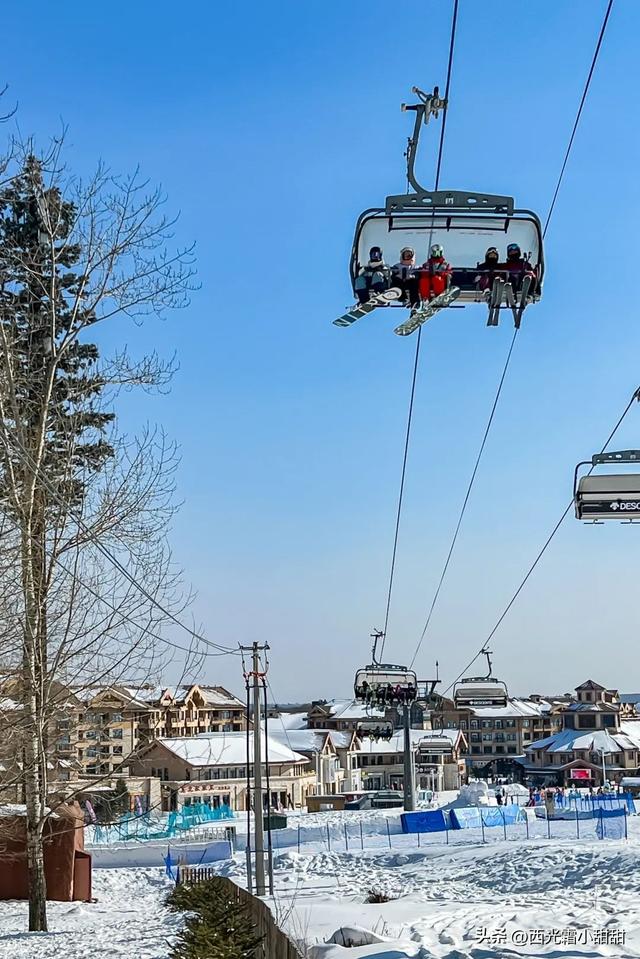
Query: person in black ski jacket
point(487, 270)
point(517, 268)
point(404, 276)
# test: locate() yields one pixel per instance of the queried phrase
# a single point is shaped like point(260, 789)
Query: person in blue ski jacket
point(374, 277)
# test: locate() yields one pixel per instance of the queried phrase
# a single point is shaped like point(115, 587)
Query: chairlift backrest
point(610, 496)
point(435, 746)
point(480, 692)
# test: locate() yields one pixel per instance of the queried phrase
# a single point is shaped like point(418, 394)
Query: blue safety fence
point(144, 827)
point(611, 823)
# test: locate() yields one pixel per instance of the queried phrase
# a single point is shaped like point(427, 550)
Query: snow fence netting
point(474, 817)
point(431, 820)
point(611, 823)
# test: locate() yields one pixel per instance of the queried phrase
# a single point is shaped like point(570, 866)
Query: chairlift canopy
point(434, 745)
point(609, 496)
point(480, 691)
point(376, 676)
point(465, 235)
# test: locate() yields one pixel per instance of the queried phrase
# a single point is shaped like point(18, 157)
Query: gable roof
point(225, 749)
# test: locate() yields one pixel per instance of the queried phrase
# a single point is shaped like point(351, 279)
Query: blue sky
point(271, 126)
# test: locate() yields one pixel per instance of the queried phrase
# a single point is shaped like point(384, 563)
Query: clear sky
point(271, 126)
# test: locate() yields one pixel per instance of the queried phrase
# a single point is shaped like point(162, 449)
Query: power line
point(509, 354)
point(30, 463)
point(454, 23)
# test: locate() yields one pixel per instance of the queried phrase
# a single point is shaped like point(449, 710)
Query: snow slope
point(128, 920)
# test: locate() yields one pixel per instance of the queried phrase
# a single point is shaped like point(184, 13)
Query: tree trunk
point(35, 846)
point(35, 767)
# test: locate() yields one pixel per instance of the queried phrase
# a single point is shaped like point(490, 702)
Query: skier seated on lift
point(405, 277)
point(487, 270)
point(517, 268)
point(434, 274)
point(373, 278)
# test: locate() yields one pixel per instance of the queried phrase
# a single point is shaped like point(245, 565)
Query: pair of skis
point(503, 290)
point(418, 315)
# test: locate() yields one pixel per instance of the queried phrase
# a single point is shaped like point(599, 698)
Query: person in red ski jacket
point(434, 274)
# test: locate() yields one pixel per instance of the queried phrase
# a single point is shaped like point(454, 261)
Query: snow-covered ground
point(128, 920)
point(542, 897)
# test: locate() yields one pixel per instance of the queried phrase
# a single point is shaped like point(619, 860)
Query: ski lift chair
point(608, 496)
point(377, 678)
point(435, 744)
point(464, 223)
point(374, 729)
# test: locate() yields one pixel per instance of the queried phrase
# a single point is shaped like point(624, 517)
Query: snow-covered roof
point(290, 720)
point(8, 705)
point(226, 749)
point(594, 740)
point(219, 696)
point(308, 740)
point(301, 740)
point(350, 709)
point(600, 707)
point(514, 708)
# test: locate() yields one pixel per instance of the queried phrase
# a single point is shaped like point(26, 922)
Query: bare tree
point(88, 579)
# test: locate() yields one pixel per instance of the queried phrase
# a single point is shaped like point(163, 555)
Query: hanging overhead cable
point(552, 205)
point(635, 397)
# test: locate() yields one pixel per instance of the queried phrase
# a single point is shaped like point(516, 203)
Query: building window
point(511, 736)
point(463, 724)
point(475, 737)
point(511, 749)
point(487, 724)
point(526, 723)
point(510, 723)
point(498, 724)
point(474, 724)
point(487, 737)
point(116, 734)
point(117, 750)
point(499, 749)
point(487, 750)
point(608, 720)
point(586, 722)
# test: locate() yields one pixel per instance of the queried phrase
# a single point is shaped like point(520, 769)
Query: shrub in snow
point(217, 925)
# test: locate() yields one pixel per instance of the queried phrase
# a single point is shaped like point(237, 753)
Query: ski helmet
point(437, 250)
point(513, 250)
point(492, 254)
point(407, 251)
point(375, 254)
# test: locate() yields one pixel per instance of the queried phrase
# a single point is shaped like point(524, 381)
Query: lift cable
point(578, 114)
point(634, 398)
point(466, 500)
point(454, 23)
point(515, 334)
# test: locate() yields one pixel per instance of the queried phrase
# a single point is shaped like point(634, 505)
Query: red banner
point(580, 774)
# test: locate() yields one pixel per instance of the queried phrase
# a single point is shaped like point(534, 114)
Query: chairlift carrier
point(608, 496)
point(464, 222)
point(374, 729)
point(385, 674)
point(480, 690)
point(435, 744)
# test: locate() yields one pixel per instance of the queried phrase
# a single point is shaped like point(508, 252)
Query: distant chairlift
point(434, 744)
point(608, 496)
point(464, 223)
point(480, 690)
point(385, 684)
point(375, 729)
